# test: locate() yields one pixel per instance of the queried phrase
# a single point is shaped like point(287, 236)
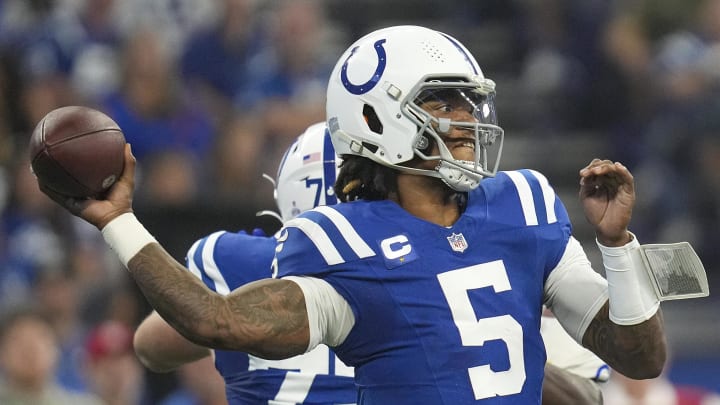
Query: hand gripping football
point(77, 152)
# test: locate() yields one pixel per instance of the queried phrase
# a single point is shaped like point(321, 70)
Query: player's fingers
point(593, 167)
point(623, 173)
point(71, 204)
point(130, 163)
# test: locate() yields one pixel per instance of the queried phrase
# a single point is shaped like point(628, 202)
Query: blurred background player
point(225, 261)
point(573, 374)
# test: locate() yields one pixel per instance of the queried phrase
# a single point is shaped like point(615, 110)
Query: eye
point(446, 108)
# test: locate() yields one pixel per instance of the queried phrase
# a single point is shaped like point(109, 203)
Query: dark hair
point(362, 179)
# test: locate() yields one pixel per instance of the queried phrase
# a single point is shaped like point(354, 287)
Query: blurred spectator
point(200, 384)
point(10, 117)
point(237, 164)
point(676, 137)
point(28, 357)
point(621, 390)
point(171, 179)
point(290, 76)
point(19, 19)
point(152, 107)
point(57, 294)
point(174, 20)
point(625, 89)
point(113, 371)
point(561, 62)
point(30, 229)
point(75, 49)
point(706, 190)
point(215, 58)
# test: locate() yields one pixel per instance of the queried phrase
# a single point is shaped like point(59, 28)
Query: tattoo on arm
point(637, 351)
point(266, 318)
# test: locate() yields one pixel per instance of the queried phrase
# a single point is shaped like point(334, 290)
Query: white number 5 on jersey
point(475, 332)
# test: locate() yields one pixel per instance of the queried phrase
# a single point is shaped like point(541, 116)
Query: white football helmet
point(306, 174)
point(374, 99)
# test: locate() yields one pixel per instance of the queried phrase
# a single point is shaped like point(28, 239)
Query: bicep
point(330, 317)
point(269, 315)
point(574, 291)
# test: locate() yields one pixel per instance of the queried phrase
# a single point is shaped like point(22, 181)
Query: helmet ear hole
point(372, 119)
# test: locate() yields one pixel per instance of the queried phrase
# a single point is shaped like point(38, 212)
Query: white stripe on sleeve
point(548, 196)
point(357, 244)
point(211, 268)
point(526, 198)
point(192, 266)
point(319, 238)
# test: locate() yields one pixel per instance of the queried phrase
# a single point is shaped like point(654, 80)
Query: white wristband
point(126, 236)
point(631, 294)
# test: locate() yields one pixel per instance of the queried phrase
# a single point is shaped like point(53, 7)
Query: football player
point(430, 280)
point(225, 261)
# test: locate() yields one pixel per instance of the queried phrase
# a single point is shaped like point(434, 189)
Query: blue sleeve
point(297, 255)
point(224, 261)
point(552, 215)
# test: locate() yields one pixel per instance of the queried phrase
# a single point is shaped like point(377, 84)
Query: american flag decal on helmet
point(457, 242)
point(313, 157)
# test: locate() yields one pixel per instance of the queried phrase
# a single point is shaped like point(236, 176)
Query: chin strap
point(458, 179)
point(270, 213)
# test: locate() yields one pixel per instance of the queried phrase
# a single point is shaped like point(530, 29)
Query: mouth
point(464, 142)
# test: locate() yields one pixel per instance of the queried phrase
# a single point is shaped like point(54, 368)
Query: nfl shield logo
point(457, 242)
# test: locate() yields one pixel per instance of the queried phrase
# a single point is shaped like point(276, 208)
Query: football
point(77, 152)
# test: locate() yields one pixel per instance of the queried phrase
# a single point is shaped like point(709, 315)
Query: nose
point(465, 114)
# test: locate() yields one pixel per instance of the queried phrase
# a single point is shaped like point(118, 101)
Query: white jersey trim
point(357, 244)
point(574, 291)
point(564, 352)
point(192, 266)
point(319, 238)
point(526, 197)
point(330, 317)
point(322, 241)
point(548, 196)
point(209, 265)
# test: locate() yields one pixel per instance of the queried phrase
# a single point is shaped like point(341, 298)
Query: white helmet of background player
point(374, 97)
point(307, 173)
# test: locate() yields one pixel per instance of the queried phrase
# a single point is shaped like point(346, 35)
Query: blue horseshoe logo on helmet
point(370, 84)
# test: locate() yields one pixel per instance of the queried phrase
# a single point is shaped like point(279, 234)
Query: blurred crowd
point(210, 93)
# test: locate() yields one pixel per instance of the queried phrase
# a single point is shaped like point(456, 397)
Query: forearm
point(561, 387)
point(161, 348)
point(637, 351)
point(628, 330)
point(266, 318)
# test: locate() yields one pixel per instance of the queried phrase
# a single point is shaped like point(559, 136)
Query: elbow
point(653, 368)
point(146, 356)
point(648, 368)
point(150, 363)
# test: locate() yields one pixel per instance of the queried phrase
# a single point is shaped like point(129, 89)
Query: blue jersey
point(443, 315)
point(225, 261)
